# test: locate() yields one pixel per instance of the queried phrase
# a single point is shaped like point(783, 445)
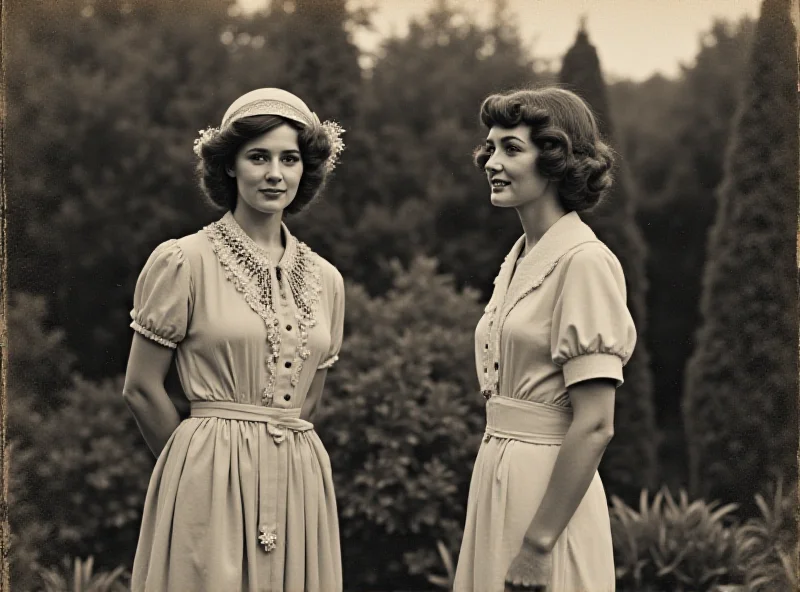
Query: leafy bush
point(80, 480)
point(674, 545)
point(402, 421)
point(83, 578)
point(769, 545)
point(696, 546)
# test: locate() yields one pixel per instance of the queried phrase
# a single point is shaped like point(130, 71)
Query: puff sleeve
point(162, 298)
point(593, 334)
point(337, 323)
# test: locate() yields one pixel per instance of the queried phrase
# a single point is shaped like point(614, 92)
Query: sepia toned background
point(699, 99)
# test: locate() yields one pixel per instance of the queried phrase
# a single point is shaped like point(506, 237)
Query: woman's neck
point(537, 217)
point(263, 229)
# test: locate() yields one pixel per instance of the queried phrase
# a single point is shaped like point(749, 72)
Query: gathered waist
point(272, 416)
point(526, 421)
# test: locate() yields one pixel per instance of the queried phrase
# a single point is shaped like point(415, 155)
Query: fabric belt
point(514, 420)
point(271, 500)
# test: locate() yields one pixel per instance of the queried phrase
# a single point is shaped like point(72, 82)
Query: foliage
point(418, 192)
point(740, 409)
point(402, 420)
point(630, 462)
point(769, 544)
point(38, 358)
point(674, 544)
point(674, 134)
point(83, 578)
point(696, 546)
point(79, 484)
point(448, 580)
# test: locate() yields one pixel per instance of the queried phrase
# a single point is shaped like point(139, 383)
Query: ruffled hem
point(150, 335)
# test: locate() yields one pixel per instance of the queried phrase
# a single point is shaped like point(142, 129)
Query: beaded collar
point(249, 268)
point(512, 285)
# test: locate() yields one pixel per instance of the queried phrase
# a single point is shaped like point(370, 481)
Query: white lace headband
point(273, 101)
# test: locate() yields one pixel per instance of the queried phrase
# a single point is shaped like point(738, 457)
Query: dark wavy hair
point(219, 154)
point(565, 131)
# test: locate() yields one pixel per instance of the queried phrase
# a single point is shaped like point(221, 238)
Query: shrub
point(697, 546)
point(403, 420)
point(83, 578)
point(674, 545)
point(769, 545)
point(80, 479)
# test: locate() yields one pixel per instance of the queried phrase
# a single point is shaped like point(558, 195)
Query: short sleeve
point(593, 334)
point(161, 300)
point(337, 323)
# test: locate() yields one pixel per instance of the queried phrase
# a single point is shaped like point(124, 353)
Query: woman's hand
point(530, 570)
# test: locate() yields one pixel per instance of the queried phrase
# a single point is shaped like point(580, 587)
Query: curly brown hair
point(564, 129)
point(219, 154)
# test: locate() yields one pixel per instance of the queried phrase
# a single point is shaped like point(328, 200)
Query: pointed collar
point(289, 258)
point(511, 286)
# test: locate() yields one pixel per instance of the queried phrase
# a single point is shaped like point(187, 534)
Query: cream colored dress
point(241, 498)
point(559, 318)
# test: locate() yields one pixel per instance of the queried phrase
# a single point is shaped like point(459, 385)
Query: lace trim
point(328, 363)
point(491, 349)
point(150, 335)
point(248, 267)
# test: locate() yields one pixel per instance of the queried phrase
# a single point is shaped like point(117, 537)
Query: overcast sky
point(634, 38)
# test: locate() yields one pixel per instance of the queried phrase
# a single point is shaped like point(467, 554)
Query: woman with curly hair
point(241, 497)
point(550, 350)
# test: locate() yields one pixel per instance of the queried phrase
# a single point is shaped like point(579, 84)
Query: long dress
point(241, 497)
point(559, 318)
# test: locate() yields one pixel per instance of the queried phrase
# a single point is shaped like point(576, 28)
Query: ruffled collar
point(249, 268)
point(511, 285)
point(288, 261)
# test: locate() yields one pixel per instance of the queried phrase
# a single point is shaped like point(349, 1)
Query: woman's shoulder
point(194, 246)
point(593, 251)
point(591, 257)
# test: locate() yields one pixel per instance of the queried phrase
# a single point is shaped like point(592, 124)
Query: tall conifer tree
point(740, 410)
point(630, 461)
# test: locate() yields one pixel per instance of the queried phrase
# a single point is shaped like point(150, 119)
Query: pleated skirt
point(239, 505)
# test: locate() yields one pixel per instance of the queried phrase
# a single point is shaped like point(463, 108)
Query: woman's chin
point(502, 201)
point(269, 205)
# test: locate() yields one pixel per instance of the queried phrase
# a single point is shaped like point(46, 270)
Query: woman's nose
point(273, 172)
point(492, 166)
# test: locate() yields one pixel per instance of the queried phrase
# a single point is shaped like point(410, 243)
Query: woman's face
point(511, 168)
point(268, 170)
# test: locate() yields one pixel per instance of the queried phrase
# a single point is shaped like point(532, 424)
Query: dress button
point(287, 397)
point(288, 364)
point(288, 327)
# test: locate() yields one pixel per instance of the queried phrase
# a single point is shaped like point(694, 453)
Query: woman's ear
point(230, 171)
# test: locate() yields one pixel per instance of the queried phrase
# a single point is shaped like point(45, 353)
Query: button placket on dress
point(286, 297)
point(284, 390)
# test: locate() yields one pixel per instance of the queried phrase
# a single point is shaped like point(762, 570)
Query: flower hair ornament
point(275, 101)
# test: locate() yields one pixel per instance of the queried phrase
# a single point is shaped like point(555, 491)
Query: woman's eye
point(512, 148)
point(291, 159)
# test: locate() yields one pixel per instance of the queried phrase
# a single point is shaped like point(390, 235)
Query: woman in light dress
point(550, 351)
point(241, 497)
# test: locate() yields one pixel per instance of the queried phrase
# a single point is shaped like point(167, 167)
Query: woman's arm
point(583, 446)
point(314, 394)
point(145, 394)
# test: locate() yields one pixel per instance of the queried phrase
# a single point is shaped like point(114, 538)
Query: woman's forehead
point(281, 138)
point(521, 132)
